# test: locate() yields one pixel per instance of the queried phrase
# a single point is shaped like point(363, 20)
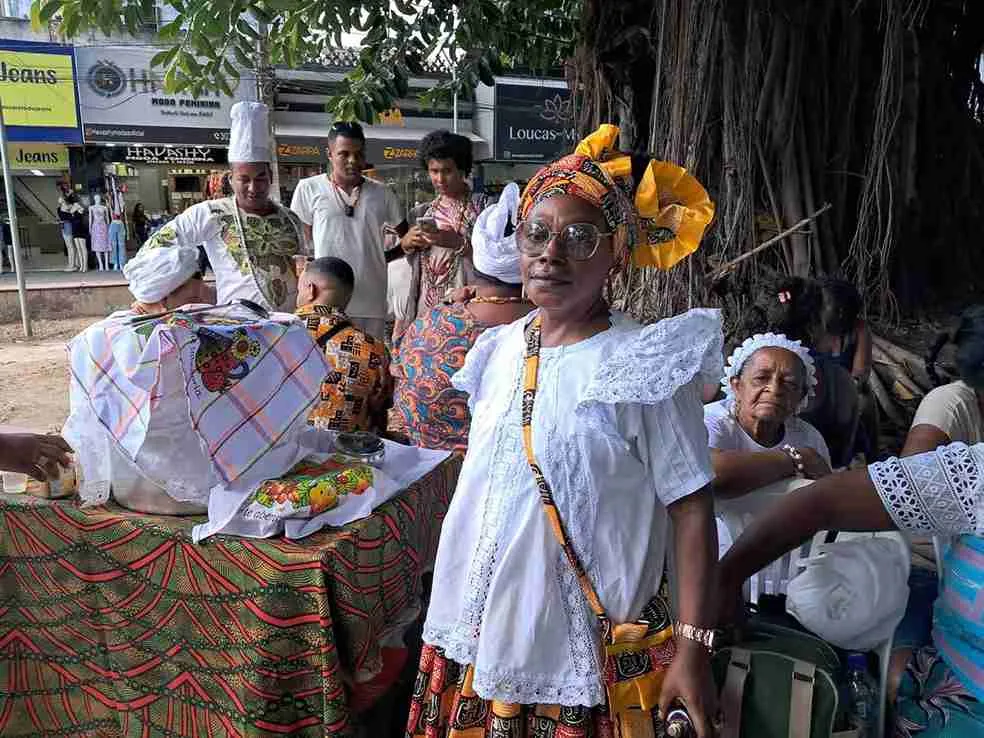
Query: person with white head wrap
point(250, 240)
point(162, 279)
point(755, 436)
point(494, 251)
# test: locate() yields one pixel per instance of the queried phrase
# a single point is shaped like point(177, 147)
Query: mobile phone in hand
point(427, 225)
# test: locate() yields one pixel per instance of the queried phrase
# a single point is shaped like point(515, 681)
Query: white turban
point(249, 134)
point(155, 273)
point(494, 253)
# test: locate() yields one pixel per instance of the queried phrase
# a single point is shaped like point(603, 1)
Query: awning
point(384, 144)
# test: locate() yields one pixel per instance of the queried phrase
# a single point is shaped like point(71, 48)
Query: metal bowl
point(362, 446)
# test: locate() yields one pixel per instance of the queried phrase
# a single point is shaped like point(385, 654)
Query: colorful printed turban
point(659, 223)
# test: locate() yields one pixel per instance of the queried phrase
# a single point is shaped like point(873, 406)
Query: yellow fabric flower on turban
point(672, 208)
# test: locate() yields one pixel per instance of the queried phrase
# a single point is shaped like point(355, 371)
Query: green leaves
point(212, 41)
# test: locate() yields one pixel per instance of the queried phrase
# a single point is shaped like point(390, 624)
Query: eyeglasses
point(579, 241)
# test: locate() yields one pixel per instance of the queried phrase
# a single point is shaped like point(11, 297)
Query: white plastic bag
point(853, 594)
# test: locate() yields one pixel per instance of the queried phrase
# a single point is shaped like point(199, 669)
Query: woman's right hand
point(415, 240)
point(814, 465)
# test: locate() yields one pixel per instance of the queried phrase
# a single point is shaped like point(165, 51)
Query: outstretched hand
point(34, 454)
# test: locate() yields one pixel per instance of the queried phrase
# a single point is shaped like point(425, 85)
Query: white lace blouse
point(618, 430)
point(938, 492)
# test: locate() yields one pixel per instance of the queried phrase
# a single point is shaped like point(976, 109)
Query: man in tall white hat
point(251, 241)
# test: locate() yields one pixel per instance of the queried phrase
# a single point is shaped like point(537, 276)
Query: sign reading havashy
point(37, 88)
point(37, 156)
point(123, 101)
point(175, 155)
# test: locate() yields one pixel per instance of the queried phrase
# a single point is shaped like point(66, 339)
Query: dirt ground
point(34, 373)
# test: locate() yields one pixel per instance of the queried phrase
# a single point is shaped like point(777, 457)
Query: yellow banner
point(37, 156)
point(37, 89)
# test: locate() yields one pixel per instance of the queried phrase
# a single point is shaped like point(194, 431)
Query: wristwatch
point(707, 637)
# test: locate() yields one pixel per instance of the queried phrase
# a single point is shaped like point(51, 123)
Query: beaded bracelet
point(797, 458)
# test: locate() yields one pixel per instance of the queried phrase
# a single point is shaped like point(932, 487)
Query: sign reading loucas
point(37, 88)
point(533, 122)
point(123, 101)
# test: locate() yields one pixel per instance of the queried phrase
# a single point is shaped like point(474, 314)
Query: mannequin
point(65, 213)
point(117, 240)
point(99, 232)
point(77, 211)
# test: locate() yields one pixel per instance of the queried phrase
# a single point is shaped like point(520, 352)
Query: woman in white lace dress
point(939, 493)
point(512, 647)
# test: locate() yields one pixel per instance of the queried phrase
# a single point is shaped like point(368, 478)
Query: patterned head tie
point(737, 361)
point(658, 221)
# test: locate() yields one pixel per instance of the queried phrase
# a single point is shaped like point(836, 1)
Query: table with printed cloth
point(114, 623)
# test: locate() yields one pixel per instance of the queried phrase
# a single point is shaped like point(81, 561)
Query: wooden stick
point(914, 365)
point(766, 244)
point(887, 402)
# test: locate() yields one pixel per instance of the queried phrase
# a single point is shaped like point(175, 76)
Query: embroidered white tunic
point(618, 430)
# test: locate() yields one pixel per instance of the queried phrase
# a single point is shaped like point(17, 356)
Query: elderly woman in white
point(754, 434)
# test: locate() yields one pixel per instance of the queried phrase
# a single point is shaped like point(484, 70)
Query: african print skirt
point(444, 705)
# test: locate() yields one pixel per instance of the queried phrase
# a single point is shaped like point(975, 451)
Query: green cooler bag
point(779, 683)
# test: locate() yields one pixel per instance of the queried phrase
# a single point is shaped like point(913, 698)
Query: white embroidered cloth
point(234, 394)
point(618, 430)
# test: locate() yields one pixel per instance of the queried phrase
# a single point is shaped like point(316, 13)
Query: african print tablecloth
point(114, 623)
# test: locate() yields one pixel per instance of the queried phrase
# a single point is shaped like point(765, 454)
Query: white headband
point(743, 353)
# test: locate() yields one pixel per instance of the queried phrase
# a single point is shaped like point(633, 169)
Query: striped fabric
point(250, 385)
point(959, 625)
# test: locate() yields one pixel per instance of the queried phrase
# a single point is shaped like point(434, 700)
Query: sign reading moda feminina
point(533, 122)
point(37, 87)
point(123, 101)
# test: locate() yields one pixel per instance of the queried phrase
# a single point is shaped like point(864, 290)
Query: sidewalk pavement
point(59, 279)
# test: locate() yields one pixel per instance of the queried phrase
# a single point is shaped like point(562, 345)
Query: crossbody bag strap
point(530, 374)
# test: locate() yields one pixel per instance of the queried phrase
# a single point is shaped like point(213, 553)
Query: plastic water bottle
point(863, 694)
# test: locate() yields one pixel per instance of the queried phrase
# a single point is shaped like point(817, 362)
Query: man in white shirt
point(348, 216)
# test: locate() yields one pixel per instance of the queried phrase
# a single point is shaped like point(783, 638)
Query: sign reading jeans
point(533, 122)
point(123, 101)
point(37, 86)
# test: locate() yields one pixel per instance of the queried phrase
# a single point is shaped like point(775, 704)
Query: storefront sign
point(37, 87)
point(533, 122)
point(383, 152)
point(301, 151)
point(37, 156)
point(123, 101)
point(175, 155)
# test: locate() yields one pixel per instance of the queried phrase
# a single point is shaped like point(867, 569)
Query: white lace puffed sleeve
point(468, 379)
point(659, 359)
point(939, 492)
point(648, 394)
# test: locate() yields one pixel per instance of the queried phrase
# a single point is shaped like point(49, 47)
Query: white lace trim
point(939, 492)
point(659, 359)
point(527, 689)
point(515, 686)
point(496, 509)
